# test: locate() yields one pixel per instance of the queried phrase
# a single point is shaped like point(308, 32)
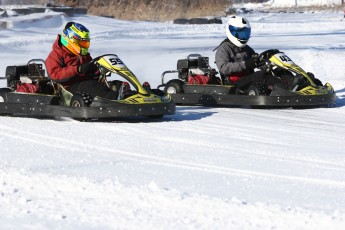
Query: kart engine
point(194, 64)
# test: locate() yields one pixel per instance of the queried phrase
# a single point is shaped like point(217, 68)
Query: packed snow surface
point(202, 168)
point(293, 3)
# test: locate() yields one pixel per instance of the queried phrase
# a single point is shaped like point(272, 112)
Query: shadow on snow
point(182, 114)
point(340, 102)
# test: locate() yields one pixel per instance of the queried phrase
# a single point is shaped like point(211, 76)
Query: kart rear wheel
point(174, 86)
point(3, 94)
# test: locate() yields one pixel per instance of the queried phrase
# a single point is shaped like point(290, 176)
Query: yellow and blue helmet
point(75, 37)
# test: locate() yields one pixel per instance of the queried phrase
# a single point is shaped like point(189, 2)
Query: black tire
point(253, 91)
point(3, 94)
point(215, 21)
point(181, 21)
point(258, 89)
point(80, 100)
point(198, 21)
point(174, 86)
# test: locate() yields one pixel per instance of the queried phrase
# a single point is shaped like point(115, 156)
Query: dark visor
point(242, 33)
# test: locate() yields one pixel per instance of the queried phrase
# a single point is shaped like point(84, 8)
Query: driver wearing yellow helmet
point(69, 64)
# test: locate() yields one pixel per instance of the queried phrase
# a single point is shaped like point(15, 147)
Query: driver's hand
point(87, 68)
point(254, 62)
point(258, 60)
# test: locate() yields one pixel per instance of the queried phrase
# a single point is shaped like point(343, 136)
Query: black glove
point(250, 63)
point(254, 62)
point(260, 62)
point(87, 68)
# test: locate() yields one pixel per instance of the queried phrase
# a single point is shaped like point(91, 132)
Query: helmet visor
point(82, 42)
point(241, 33)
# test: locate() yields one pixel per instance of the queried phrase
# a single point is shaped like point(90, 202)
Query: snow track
point(81, 203)
point(61, 144)
point(202, 168)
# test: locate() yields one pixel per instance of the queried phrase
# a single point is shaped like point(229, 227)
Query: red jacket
point(62, 65)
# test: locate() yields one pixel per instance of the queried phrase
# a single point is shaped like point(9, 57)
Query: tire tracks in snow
point(57, 142)
point(293, 159)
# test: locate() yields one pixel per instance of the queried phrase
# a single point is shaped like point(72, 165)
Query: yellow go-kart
point(30, 92)
point(296, 87)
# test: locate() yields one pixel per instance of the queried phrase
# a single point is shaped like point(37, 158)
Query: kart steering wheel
point(268, 54)
point(265, 56)
point(97, 58)
point(94, 60)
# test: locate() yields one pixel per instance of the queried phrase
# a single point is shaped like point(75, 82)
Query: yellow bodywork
point(112, 64)
point(151, 99)
point(285, 62)
point(123, 71)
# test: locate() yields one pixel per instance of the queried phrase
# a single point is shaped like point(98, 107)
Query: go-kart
point(198, 84)
point(30, 92)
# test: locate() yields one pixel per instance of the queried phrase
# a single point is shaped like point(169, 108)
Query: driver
point(236, 60)
point(69, 64)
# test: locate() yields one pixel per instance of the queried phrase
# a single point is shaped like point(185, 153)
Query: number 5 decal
point(115, 61)
point(285, 58)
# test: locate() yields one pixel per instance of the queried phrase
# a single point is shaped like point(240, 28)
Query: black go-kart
point(198, 84)
point(31, 93)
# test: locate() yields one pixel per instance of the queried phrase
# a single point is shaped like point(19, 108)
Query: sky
point(202, 168)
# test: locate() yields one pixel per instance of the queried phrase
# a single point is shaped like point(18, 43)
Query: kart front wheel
point(253, 91)
point(80, 100)
point(174, 86)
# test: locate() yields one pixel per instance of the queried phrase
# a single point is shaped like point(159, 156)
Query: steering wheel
point(100, 68)
point(99, 57)
point(266, 55)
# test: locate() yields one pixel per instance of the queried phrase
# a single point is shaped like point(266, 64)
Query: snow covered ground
point(289, 5)
point(293, 3)
point(202, 168)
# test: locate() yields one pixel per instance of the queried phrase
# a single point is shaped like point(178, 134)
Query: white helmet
point(238, 30)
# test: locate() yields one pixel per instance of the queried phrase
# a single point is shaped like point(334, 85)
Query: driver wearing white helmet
point(236, 60)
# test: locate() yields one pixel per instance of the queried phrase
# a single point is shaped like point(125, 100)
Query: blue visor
point(242, 33)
